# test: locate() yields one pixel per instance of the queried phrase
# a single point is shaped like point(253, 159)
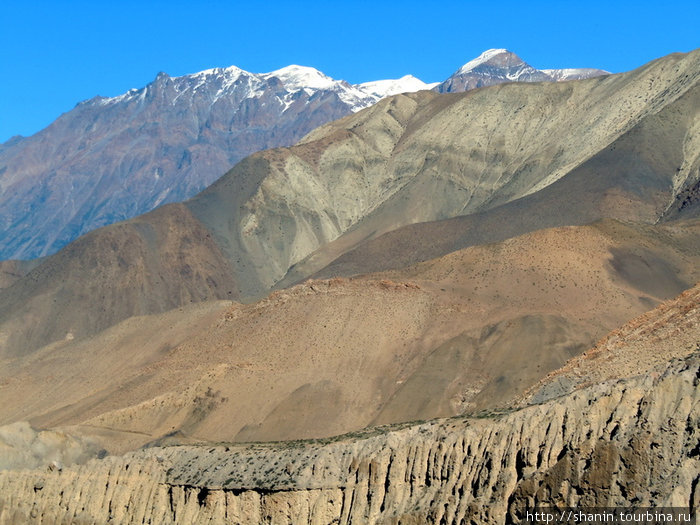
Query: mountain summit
point(494, 57)
point(496, 66)
point(385, 88)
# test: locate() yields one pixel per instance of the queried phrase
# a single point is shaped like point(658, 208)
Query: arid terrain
point(444, 308)
point(605, 442)
point(453, 335)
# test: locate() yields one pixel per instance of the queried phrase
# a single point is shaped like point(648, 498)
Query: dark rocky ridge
point(110, 159)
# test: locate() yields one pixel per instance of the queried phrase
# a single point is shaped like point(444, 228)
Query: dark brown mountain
point(111, 159)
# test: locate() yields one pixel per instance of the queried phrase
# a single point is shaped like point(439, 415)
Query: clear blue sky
point(54, 54)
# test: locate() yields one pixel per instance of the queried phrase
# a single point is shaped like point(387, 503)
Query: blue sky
point(55, 54)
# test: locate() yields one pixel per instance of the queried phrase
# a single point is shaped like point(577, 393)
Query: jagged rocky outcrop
point(617, 443)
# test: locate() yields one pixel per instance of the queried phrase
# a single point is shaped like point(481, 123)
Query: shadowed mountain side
point(221, 208)
point(327, 357)
point(636, 178)
point(154, 263)
point(277, 206)
point(471, 372)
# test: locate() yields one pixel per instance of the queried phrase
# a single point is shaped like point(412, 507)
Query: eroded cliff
point(632, 441)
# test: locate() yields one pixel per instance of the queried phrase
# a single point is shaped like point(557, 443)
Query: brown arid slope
point(11, 271)
point(535, 297)
point(512, 158)
point(459, 334)
point(672, 330)
point(631, 440)
point(154, 263)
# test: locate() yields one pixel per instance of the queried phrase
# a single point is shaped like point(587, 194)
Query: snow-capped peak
point(296, 77)
point(386, 88)
point(231, 71)
point(484, 57)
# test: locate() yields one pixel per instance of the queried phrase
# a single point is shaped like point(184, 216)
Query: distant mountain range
point(110, 159)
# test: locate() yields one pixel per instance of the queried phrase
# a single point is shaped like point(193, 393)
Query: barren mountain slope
point(465, 332)
point(630, 441)
point(11, 271)
point(651, 171)
point(534, 147)
point(150, 264)
point(470, 152)
point(534, 295)
point(672, 330)
point(110, 159)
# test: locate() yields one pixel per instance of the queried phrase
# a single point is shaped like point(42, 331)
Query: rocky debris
point(617, 443)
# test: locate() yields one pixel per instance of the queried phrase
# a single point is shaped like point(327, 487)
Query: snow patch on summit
point(295, 77)
point(562, 75)
point(386, 88)
point(481, 59)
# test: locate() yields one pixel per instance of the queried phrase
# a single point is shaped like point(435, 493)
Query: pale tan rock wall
point(612, 444)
